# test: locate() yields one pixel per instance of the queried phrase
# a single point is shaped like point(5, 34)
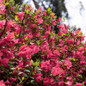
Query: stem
point(26, 79)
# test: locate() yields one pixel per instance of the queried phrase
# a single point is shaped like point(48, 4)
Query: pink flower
point(69, 78)
point(40, 21)
point(20, 15)
point(16, 41)
point(61, 26)
point(25, 53)
point(53, 22)
point(1, 53)
point(49, 54)
point(60, 33)
point(61, 83)
point(44, 46)
point(38, 77)
point(10, 35)
point(57, 71)
point(2, 83)
point(67, 63)
point(2, 8)
point(78, 53)
point(59, 19)
point(7, 82)
point(28, 36)
point(39, 9)
point(2, 23)
point(69, 83)
point(1, 2)
point(44, 13)
point(4, 62)
point(78, 84)
point(12, 79)
point(81, 49)
point(78, 32)
point(78, 42)
point(12, 8)
point(48, 81)
point(23, 48)
point(47, 33)
point(56, 52)
point(61, 43)
point(64, 49)
point(45, 66)
point(32, 25)
point(34, 48)
point(70, 41)
point(10, 23)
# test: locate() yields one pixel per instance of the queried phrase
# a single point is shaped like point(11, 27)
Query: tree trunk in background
point(36, 4)
point(18, 1)
point(57, 6)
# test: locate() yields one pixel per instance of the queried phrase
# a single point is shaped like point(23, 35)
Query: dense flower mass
point(2, 83)
point(33, 54)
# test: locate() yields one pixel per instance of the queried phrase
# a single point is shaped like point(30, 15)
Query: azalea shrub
point(32, 54)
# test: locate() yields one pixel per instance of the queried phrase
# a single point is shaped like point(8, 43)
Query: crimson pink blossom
point(32, 53)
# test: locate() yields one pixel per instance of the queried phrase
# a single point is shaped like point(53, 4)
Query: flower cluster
point(32, 54)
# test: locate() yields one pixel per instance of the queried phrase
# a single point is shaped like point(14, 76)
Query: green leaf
point(49, 9)
point(32, 62)
point(16, 35)
point(20, 73)
point(23, 78)
point(73, 59)
point(63, 18)
point(7, 4)
point(52, 14)
point(25, 75)
point(32, 73)
point(27, 71)
point(26, 38)
point(12, 68)
point(38, 42)
point(79, 75)
point(16, 18)
point(27, 11)
point(36, 63)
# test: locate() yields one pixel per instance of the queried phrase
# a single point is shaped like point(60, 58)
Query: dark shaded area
point(58, 7)
point(18, 1)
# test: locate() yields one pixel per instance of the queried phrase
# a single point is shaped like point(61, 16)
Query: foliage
point(57, 6)
point(32, 54)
